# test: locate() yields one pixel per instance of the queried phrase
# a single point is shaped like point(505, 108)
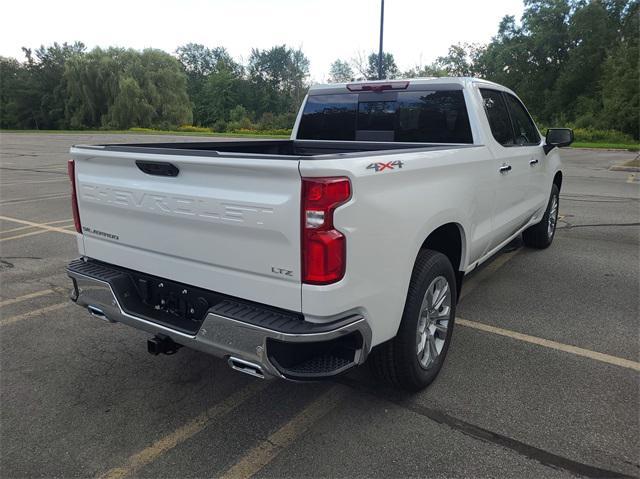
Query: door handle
point(505, 169)
point(533, 162)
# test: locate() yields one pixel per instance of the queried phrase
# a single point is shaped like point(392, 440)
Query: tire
point(541, 235)
point(399, 361)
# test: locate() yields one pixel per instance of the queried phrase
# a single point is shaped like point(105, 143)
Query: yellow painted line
point(268, 450)
point(586, 353)
point(27, 227)
point(25, 297)
point(33, 233)
point(30, 314)
point(37, 225)
point(190, 429)
point(493, 266)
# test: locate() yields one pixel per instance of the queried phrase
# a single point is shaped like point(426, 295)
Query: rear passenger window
point(329, 117)
point(498, 116)
point(525, 130)
point(429, 116)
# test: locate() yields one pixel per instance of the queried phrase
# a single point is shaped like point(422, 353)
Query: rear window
point(412, 116)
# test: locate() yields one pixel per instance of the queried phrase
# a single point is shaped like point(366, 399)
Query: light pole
point(380, 50)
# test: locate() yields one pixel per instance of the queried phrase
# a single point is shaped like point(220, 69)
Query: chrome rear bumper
point(245, 346)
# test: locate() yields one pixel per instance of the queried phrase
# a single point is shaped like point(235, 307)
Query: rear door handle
point(534, 162)
point(505, 169)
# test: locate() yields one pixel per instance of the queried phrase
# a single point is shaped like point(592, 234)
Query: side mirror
point(558, 137)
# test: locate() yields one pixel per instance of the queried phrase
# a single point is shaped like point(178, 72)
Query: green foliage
point(193, 129)
point(591, 135)
point(459, 61)
point(389, 68)
point(573, 62)
point(118, 88)
point(340, 72)
point(570, 61)
point(277, 79)
point(34, 92)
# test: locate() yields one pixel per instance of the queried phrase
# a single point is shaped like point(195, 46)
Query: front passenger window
point(525, 130)
point(498, 116)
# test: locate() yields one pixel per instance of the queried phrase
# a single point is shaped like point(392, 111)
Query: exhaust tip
point(98, 313)
point(245, 367)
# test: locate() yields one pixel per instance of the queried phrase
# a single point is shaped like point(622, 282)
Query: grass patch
point(607, 146)
point(148, 131)
point(197, 131)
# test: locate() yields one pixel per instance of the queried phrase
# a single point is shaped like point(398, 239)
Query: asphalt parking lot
point(542, 378)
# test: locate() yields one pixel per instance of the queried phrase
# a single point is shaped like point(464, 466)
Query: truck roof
point(412, 84)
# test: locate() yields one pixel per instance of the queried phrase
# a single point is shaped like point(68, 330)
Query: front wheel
point(414, 357)
point(541, 235)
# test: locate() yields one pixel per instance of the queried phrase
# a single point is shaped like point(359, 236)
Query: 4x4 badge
point(391, 165)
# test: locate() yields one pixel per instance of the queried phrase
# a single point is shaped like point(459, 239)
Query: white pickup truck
point(302, 258)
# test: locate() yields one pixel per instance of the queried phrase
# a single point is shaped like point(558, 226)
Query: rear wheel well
point(557, 180)
point(447, 239)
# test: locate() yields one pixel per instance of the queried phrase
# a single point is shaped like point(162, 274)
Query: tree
point(340, 72)
point(621, 80)
point(461, 60)
point(369, 70)
point(279, 79)
point(118, 88)
point(200, 65)
point(12, 76)
point(36, 89)
point(422, 71)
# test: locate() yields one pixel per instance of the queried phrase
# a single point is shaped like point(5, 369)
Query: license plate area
point(176, 305)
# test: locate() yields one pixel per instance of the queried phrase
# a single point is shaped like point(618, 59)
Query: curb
point(630, 169)
point(602, 149)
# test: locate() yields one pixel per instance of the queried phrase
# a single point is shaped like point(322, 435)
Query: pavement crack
point(542, 456)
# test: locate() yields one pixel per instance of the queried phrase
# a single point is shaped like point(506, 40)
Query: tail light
point(71, 169)
point(324, 248)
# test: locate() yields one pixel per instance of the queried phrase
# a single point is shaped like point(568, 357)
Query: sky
point(416, 31)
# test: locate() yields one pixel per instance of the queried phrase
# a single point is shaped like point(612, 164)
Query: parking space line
point(35, 312)
point(37, 225)
point(190, 429)
point(29, 182)
point(265, 452)
point(40, 232)
point(32, 200)
point(567, 348)
point(20, 228)
point(25, 297)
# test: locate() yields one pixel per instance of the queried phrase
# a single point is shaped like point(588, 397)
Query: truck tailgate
point(226, 224)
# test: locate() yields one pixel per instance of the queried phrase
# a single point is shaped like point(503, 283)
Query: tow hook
point(161, 344)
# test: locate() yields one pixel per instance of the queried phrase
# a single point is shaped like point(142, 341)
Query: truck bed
point(282, 149)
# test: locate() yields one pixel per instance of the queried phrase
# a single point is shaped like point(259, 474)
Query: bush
point(194, 129)
point(269, 121)
point(274, 132)
point(220, 126)
point(593, 135)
